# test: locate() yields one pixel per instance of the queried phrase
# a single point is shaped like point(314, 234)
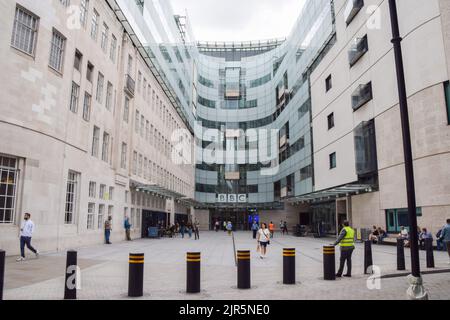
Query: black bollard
point(193, 272)
point(430, 254)
point(368, 261)
point(136, 275)
point(2, 272)
point(70, 286)
point(329, 263)
point(288, 266)
point(243, 278)
point(401, 255)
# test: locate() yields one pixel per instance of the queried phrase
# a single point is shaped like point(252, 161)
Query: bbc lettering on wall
point(231, 198)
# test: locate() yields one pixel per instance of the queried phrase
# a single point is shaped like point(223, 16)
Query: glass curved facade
point(247, 103)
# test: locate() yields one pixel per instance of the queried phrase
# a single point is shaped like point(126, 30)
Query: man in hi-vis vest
point(346, 241)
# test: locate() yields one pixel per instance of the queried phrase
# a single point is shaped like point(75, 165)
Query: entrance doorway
point(241, 220)
point(153, 219)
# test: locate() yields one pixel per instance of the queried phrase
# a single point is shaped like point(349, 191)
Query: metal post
point(329, 263)
point(2, 272)
point(430, 254)
point(136, 275)
point(407, 150)
point(193, 272)
point(243, 277)
point(368, 261)
point(401, 255)
point(70, 285)
point(288, 266)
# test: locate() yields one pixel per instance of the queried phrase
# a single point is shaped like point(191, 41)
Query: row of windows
point(241, 189)
point(97, 220)
point(106, 145)
point(103, 194)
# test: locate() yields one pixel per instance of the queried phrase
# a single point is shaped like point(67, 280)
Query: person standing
point(182, 228)
point(425, 234)
point(26, 233)
point(346, 240)
point(189, 228)
point(263, 240)
point(217, 225)
point(108, 229)
point(285, 228)
point(445, 238)
point(224, 226)
point(229, 228)
point(271, 229)
point(197, 230)
point(127, 226)
point(281, 225)
point(255, 228)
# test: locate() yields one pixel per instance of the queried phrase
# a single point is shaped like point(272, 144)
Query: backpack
point(438, 234)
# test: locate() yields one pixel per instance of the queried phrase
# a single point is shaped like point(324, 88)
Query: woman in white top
point(263, 239)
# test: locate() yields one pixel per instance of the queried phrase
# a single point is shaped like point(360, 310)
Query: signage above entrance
point(231, 198)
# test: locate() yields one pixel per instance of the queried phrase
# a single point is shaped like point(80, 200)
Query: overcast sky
point(240, 20)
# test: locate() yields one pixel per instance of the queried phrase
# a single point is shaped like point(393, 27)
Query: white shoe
point(37, 254)
point(20, 259)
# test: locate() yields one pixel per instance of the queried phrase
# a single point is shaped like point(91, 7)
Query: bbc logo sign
point(232, 198)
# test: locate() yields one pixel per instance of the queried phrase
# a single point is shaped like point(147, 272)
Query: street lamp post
point(416, 289)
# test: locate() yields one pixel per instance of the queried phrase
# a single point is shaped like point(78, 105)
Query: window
point(95, 141)
point(101, 194)
point(71, 197)
point(57, 51)
point(65, 3)
point(109, 95)
point(87, 106)
point(25, 31)
point(78, 60)
point(126, 109)
point(365, 149)
point(140, 165)
point(135, 156)
point(357, 49)
point(101, 213)
point(110, 211)
point(111, 193)
point(100, 86)
point(112, 53)
point(105, 36)
point(74, 97)
point(136, 122)
point(397, 218)
point(147, 130)
point(351, 10)
point(362, 95)
point(139, 82)
point(328, 83)
point(8, 184)
point(306, 173)
point(92, 189)
point(447, 99)
point(94, 25)
point(84, 7)
point(105, 147)
point(142, 126)
point(89, 71)
point(90, 216)
point(123, 157)
point(331, 121)
point(130, 64)
point(333, 160)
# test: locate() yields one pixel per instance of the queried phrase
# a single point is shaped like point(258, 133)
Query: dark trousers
point(254, 233)
point(197, 234)
point(26, 241)
point(107, 235)
point(346, 255)
point(127, 234)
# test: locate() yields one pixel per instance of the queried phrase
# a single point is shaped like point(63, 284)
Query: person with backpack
point(263, 240)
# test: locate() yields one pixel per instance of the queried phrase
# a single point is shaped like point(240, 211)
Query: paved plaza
point(104, 271)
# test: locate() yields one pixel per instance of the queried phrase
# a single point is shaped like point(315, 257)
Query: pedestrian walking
point(217, 225)
point(346, 240)
point(108, 229)
point(182, 228)
point(271, 229)
point(197, 230)
point(224, 226)
point(285, 228)
point(26, 233)
point(127, 226)
point(263, 240)
point(229, 228)
point(281, 225)
point(255, 228)
point(189, 228)
point(445, 238)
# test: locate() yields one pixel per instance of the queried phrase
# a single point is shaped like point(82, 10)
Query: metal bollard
point(136, 275)
point(2, 272)
point(288, 266)
point(368, 261)
point(329, 263)
point(70, 285)
point(193, 272)
point(401, 255)
point(430, 254)
point(243, 277)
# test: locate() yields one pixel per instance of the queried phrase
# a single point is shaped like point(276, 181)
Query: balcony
point(130, 85)
point(357, 50)
point(351, 10)
point(362, 95)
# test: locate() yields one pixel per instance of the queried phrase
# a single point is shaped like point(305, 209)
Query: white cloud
point(240, 20)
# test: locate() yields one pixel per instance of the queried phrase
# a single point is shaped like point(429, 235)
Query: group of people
point(227, 226)
point(188, 227)
point(442, 237)
point(378, 235)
